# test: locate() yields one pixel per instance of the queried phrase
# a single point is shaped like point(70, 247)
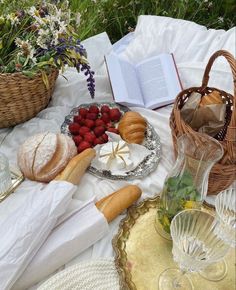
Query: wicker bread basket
point(223, 173)
point(21, 98)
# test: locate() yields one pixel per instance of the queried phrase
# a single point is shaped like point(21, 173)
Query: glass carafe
point(186, 185)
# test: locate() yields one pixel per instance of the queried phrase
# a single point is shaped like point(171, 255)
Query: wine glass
point(226, 215)
point(195, 246)
point(225, 205)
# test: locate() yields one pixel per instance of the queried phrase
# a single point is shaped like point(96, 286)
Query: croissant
point(132, 127)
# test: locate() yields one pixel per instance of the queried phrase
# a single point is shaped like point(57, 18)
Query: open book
point(151, 83)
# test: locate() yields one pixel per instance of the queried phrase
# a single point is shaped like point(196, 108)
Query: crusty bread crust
point(44, 153)
point(77, 166)
point(115, 203)
point(26, 154)
point(57, 163)
point(42, 156)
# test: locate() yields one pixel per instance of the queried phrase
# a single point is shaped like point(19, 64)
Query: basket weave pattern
point(21, 98)
point(224, 172)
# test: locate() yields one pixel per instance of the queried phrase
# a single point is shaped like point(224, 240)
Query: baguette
point(77, 166)
point(112, 205)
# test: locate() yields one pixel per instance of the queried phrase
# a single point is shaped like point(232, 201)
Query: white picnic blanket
point(191, 44)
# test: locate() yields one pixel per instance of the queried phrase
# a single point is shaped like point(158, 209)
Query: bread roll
point(132, 127)
point(26, 154)
point(42, 156)
point(77, 166)
point(211, 99)
point(63, 153)
point(112, 205)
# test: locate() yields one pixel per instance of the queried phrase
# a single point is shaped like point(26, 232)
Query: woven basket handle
point(231, 134)
point(231, 60)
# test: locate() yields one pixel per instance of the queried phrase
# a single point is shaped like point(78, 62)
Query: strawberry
point(89, 137)
point(105, 138)
point(77, 139)
point(105, 109)
point(99, 122)
point(91, 116)
point(74, 128)
point(89, 123)
point(98, 131)
point(115, 114)
point(83, 130)
point(105, 117)
point(97, 141)
point(77, 119)
point(94, 109)
point(110, 125)
point(113, 130)
point(83, 145)
point(83, 112)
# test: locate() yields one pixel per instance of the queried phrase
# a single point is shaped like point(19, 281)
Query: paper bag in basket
point(204, 114)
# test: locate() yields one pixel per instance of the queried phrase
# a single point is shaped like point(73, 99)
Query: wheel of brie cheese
point(115, 155)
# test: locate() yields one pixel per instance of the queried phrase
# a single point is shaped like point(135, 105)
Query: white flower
point(33, 11)
point(220, 19)
point(35, 14)
point(18, 42)
point(78, 18)
point(13, 18)
point(26, 50)
point(43, 38)
point(62, 27)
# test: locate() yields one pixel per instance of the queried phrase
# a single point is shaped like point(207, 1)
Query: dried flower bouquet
point(39, 39)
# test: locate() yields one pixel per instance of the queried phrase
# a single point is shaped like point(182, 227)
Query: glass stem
point(177, 280)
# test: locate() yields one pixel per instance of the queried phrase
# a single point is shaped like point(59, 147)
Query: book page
point(158, 80)
point(172, 77)
point(124, 81)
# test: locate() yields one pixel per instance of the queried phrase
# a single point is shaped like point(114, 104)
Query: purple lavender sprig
point(74, 54)
point(90, 80)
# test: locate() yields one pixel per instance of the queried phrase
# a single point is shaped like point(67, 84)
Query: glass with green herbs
point(186, 185)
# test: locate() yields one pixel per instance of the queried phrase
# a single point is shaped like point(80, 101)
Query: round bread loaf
point(43, 156)
point(132, 127)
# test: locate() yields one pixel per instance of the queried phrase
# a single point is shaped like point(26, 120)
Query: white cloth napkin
point(79, 231)
point(25, 230)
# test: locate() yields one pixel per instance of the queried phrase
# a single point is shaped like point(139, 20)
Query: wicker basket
point(21, 98)
point(224, 172)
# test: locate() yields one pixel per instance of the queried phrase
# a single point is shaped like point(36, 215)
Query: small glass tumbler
point(5, 175)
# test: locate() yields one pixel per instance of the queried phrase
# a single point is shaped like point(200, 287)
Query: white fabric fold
point(70, 238)
point(25, 230)
point(192, 45)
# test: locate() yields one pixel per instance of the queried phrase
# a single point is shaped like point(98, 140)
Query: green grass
point(117, 17)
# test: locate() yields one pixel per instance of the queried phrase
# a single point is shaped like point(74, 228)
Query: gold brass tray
point(16, 179)
point(141, 254)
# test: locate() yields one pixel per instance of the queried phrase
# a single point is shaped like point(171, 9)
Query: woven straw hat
point(94, 275)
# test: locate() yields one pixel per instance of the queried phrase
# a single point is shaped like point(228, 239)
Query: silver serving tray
point(151, 142)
